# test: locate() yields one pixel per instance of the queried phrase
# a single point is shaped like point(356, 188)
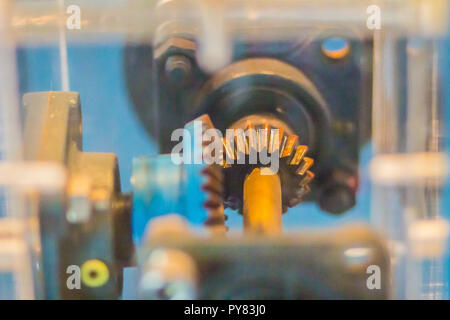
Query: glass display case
point(353, 98)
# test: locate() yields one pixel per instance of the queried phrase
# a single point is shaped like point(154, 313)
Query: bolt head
point(178, 70)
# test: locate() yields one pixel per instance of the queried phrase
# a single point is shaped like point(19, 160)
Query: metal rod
point(262, 203)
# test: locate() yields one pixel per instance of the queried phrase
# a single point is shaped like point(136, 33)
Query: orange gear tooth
point(249, 125)
point(306, 179)
point(299, 196)
point(298, 156)
point(307, 163)
point(229, 151)
point(263, 137)
point(280, 135)
point(283, 145)
point(241, 144)
point(225, 165)
point(290, 144)
point(271, 144)
point(252, 138)
point(276, 136)
point(293, 202)
point(304, 191)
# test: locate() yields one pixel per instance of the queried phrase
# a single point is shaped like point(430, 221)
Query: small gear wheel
point(212, 186)
point(252, 148)
point(205, 178)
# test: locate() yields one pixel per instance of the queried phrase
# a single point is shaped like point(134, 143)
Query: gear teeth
point(213, 200)
point(241, 143)
point(263, 138)
point(306, 164)
point(217, 218)
point(306, 179)
point(299, 196)
point(276, 136)
point(213, 187)
point(213, 183)
point(252, 138)
point(293, 202)
point(214, 171)
point(206, 122)
point(300, 151)
point(254, 141)
point(228, 149)
point(290, 144)
point(214, 191)
point(283, 142)
point(225, 165)
point(303, 191)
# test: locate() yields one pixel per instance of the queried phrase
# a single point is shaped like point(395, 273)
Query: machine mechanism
point(255, 112)
point(95, 221)
point(320, 101)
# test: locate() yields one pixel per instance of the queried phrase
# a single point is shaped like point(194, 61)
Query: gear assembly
point(285, 136)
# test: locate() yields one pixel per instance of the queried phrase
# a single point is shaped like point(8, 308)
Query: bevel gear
point(251, 149)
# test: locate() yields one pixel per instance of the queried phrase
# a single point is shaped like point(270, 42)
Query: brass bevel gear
point(261, 140)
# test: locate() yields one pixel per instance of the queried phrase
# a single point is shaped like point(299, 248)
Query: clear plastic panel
point(403, 162)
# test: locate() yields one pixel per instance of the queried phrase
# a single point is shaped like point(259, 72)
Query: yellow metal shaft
point(262, 203)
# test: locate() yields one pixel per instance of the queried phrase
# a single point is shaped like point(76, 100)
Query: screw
point(336, 48)
point(178, 70)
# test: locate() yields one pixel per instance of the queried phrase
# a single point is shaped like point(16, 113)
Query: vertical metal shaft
point(262, 203)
